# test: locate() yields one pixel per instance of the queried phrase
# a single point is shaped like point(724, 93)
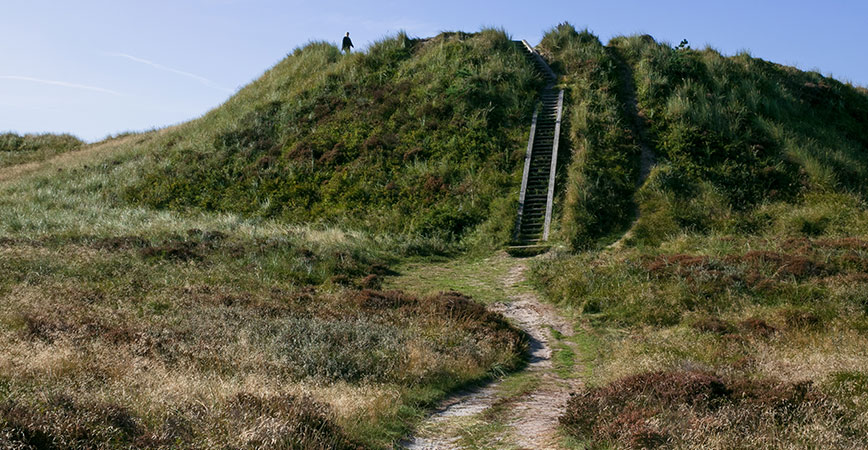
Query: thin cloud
point(61, 83)
point(159, 66)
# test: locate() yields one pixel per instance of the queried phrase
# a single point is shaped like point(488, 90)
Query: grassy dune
point(734, 315)
point(219, 283)
point(417, 137)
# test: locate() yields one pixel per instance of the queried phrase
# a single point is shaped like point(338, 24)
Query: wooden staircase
point(540, 164)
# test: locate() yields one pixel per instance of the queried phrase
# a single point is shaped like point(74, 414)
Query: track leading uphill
point(540, 165)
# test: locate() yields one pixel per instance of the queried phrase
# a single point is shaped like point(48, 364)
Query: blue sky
point(99, 67)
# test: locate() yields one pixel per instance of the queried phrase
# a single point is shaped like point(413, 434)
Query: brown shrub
point(341, 280)
point(334, 155)
point(799, 245)
point(783, 263)
point(632, 427)
point(65, 423)
point(796, 318)
point(657, 408)
point(713, 325)
point(386, 141)
point(678, 264)
point(68, 323)
point(621, 411)
point(759, 282)
point(283, 421)
point(173, 249)
point(373, 299)
point(757, 326)
point(434, 185)
point(849, 243)
point(371, 282)
point(477, 319)
point(302, 152)
point(381, 270)
point(458, 306)
point(119, 243)
point(43, 328)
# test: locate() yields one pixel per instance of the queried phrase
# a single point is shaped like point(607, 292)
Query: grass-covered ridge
point(18, 149)
point(600, 175)
point(411, 136)
point(729, 134)
point(736, 132)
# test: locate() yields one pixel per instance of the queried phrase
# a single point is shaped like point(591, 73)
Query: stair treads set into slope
point(538, 182)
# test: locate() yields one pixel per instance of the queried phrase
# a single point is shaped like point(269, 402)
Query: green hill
point(730, 134)
point(412, 136)
point(216, 284)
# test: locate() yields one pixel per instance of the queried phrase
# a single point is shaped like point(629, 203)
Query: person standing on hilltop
point(347, 44)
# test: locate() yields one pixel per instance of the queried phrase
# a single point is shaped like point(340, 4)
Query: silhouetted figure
point(347, 44)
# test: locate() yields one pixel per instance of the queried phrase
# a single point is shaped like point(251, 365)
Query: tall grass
point(126, 327)
point(603, 167)
point(741, 130)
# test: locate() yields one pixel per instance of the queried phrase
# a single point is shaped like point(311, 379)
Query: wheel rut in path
point(531, 419)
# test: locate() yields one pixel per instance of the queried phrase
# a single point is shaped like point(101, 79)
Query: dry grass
point(173, 354)
point(127, 327)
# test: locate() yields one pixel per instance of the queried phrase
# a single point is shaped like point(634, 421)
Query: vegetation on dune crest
point(737, 132)
point(412, 136)
point(17, 149)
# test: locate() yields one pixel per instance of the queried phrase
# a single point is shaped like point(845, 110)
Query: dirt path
point(531, 419)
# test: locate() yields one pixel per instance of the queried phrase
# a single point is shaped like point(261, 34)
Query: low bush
point(688, 408)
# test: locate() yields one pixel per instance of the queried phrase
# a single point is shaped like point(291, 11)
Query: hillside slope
point(217, 283)
point(412, 136)
point(731, 134)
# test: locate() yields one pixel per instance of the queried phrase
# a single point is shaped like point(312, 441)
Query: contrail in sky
point(158, 66)
point(60, 83)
